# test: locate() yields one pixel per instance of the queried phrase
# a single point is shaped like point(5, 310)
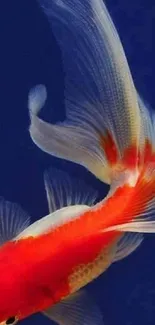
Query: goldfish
point(108, 130)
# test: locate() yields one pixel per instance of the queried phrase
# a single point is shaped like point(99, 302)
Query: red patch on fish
point(110, 149)
point(149, 155)
point(130, 157)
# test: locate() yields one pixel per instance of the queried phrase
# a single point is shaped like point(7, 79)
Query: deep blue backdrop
point(29, 55)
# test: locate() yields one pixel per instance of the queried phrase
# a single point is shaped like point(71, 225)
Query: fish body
point(54, 257)
point(31, 257)
point(109, 131)
point(35, 266)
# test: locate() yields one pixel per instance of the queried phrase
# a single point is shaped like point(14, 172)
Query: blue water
point(29, 55)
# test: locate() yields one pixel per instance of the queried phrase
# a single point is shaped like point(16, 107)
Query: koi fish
point(45, 264)
point(108, 130)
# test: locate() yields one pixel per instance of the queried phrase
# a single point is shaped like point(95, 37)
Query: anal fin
point(77, 309)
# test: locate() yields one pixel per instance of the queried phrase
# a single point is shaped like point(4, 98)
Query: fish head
point(23, 291)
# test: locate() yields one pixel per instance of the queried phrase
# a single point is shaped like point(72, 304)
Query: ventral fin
point(77, 309)
point(63, 190)
point(127, 245)
point(13, 220)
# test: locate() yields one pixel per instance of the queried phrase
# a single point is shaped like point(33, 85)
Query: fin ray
point(147, 138)
point(77, 309)
point(100, 97)
point(139, 213)
point(127, 245)
point(13, 220)
point(63, 190)
point(66, 200)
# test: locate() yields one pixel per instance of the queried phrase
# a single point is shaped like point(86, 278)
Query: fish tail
point(102, 128)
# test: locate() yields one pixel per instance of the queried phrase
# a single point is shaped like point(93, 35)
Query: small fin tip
point(36, 99)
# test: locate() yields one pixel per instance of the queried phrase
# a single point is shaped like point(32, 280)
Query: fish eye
point(11, 320)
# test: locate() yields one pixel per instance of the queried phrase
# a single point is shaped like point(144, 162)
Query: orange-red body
point(35, 271)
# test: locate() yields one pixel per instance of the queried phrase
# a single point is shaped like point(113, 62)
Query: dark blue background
point(29, 55)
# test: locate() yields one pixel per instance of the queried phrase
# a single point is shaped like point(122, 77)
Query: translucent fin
point(73, 143)
point(103, 120)
point(63, 190)
point(13, 220)
point(37, 98)
point(139, 216)
point(135, 226)
point(68, 198)
point(147, 136)
point(77, 309)
point(127, 245)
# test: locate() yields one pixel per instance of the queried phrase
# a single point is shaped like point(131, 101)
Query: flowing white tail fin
point(103, 116)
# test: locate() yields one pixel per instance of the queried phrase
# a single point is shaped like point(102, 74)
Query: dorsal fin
point(67, 199)
point(63, 190)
